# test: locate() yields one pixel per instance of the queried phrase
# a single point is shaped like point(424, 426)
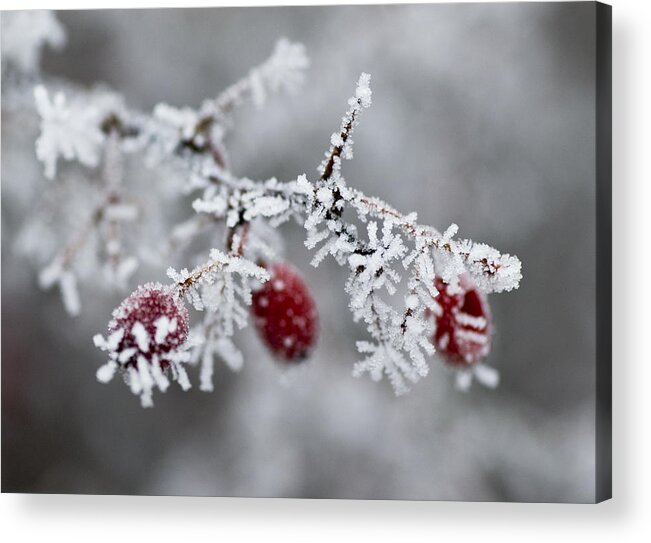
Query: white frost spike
point(463, 380)
point(450, 232)
point(181, 376)
point(363, 92)
point(105, 373)
point(69, 293)
point(142, 337)
point(109, 344)
point(224, 293)
point(164, 326)
point(146, 382)
point(207, 369)
point(126, 355)
point(157, 373)
point(70, 132)
point(487, 376)
point(230, 354)
point(50, 274)
point(55, 273)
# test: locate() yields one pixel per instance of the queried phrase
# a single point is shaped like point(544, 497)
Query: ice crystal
point(400, 338)
point(24, 33)
point(67, 131)
point(222, 288)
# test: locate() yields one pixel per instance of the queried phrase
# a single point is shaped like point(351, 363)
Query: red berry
point(154, 321)
point(463, 323)
point(285, 314)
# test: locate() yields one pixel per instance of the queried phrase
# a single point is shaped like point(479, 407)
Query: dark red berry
point(285, 314)
point(462, 335)
point(154, 321)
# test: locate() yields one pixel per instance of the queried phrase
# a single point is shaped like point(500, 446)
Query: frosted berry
point(285, 314)
point(154, 323)
point(462, 335)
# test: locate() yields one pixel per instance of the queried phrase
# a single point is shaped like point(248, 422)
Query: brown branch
point(337, 149)
point(70, 251)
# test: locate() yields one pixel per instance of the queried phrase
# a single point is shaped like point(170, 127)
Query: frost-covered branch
point(441, 305)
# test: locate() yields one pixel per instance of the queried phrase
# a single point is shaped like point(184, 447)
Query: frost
point(67, 131)
point(265, 206)
point(145, 375)
point(56, 273)
point(222, 288)
point(286, 67)
point(142, 337)
point(105, 373)
point(24, 33)
point(121, 212)
point(183, 119)
point(485, 375)
point(164, 326)
point(401, 339)
point(283, 70)
point(69, 293)
point(363, 92)
point(392, 261)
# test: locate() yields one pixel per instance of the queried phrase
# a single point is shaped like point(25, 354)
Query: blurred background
point(483, 115)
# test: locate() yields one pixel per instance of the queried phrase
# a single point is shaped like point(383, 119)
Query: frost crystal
point(24, 33)
point(222, 288)
point(401, 339)
point(66, 130)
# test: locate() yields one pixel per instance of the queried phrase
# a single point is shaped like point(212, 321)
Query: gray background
point(483, 115)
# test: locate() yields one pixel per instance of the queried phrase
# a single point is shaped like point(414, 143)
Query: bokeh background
point(483, 115)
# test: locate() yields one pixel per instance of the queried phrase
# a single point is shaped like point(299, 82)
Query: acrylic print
point(314, 252)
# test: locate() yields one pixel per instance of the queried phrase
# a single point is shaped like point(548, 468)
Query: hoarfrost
point(67, 131)
point(382, 249)
point(24, 33)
